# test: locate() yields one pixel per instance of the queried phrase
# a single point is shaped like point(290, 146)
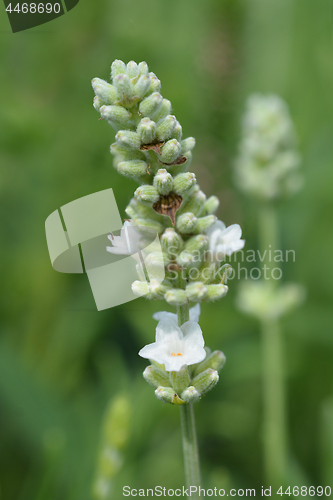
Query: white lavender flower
point(176, 346)
point(224, 240)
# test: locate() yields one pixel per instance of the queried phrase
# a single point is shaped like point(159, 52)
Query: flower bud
point(187, 144)
point(214, 361)
point(171, 242)
point(205, 223)
point(164, 111)
point(215, 292)
point(195, 203)
point(143, 68)
point(151, 104)
point(176, 297)
point(104, 90)
point(156, 377)
point(183, 182)
point(211, 205)
point(157, 289)
point(177, 132)
point(155, 85)
point(170, 151)
point(188, 260)
point(132, 168)
point(132, 69)
point(123, 86)
point(98, 103)
point(128, 139)
point(205, 380)
point(180, 380)
point(165, 128)
point(167, 394)
point(117, 68)
point(147, 193)
point(163, 181)
point(141, 288)
point(146, 130)
point(196, 291)
point(115, 114)
point(141, 87)
point(155, 263)
point(197, 244)
point(186, 223)
point(190, 395)
point(147, 227)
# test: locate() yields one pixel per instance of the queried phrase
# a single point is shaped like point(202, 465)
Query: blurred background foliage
point(61, 361)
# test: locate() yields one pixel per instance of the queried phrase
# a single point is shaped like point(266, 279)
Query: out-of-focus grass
point(61, 360)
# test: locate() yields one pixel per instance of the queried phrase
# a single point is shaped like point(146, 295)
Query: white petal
point(174, 363)
point(117, 250)
point(165, 315)
point(167, 327)
point(154, 352)
point(192, 334)
point(194, 355)
point(232, 233)
point(195, 313)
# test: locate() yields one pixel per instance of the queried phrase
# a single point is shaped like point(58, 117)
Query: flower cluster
point(267, 164)
point(172, 226)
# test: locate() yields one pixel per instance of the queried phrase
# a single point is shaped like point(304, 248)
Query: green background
point(61, 361)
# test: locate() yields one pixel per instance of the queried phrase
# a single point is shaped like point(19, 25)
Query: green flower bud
point(196, 291)
point(165, 127)
point(115, 114)
point(147, 227)
point(122, 153)
point(163, 181)
point(151, 104)
point(147, 193)
point(176, 297)
point(104, 90)
point(211, 205)
point(141, 87)
point(146, 130)
point(188, 260)
point(128, 139)
point(195, 203)
point(171, 242)
point(144, 211)
point(98, 103)
point(215, 292)
point(143, 68)
point(132, 69)
point(164, 111)
point(158, 290)
point(205, 380)
point(187, 144)
point(214, 361)
point(155, 85)
point(133, 168)
point(123, 86)
point(180, 380)
point(170, 151)
point(117, 68)
point(190, 395)
point(197, 244)
point(183, 182)
point(167, 394)
point(141, 288)
point(186, 223)
point(177, 132)
point(206, 273)
point(156, 377)
point(205, 223)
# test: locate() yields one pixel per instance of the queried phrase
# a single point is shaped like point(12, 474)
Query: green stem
point(190, 447)
point(187, 423)
point(275, 428)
